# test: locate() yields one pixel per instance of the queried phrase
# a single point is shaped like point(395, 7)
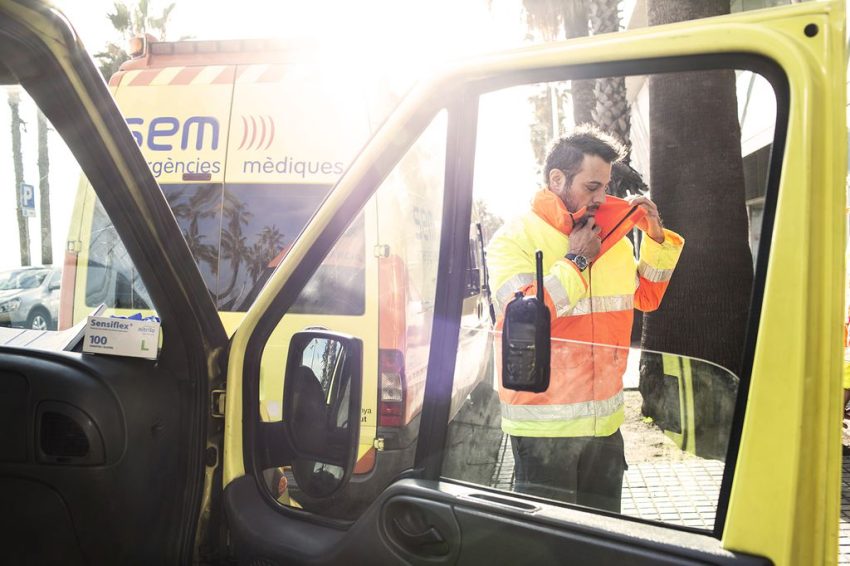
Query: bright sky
point(408, 36)
point(402, 37)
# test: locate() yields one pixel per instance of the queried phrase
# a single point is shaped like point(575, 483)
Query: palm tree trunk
point(237, 263)
point(545, 125)
point(698, 183)
point(44, 192)
point(18, 160)
point(611, 111)
point(584, 101)
point(576, 25)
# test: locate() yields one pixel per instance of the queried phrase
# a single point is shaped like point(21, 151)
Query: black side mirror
point(321, 408)
point(526, 347)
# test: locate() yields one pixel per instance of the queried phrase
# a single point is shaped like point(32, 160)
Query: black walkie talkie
point(526, 336)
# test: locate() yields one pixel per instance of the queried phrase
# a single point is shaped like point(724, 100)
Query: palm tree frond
point(120, 18)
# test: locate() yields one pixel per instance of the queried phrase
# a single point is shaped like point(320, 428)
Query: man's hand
point(653, 219)
point(585, 240)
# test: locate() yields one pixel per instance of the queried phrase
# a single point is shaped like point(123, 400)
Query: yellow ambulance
point(246, 139)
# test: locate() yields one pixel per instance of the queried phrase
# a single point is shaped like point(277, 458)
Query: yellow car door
point(768, 494)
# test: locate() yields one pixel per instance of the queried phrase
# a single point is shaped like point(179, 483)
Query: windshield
point(21, 279)
point(238, 234)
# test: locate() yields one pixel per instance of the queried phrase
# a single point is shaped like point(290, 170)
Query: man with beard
point(566, 441)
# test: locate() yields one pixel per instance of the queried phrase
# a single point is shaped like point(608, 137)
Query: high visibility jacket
point(590, 312)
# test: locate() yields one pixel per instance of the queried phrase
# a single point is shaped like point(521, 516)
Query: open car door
point(728, 462)
point(102, 457)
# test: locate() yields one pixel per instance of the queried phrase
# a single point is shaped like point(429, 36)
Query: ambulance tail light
point(393, 388)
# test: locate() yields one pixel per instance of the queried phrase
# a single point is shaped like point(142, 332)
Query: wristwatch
point(579, 260)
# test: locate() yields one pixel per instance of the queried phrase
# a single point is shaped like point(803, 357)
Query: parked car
point(29, 297)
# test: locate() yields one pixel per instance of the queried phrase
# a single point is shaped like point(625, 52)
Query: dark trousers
point(586, 470)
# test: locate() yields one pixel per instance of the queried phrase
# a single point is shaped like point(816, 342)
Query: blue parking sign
point(27, 199)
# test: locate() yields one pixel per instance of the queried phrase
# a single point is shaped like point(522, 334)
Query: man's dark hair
point(568, 152)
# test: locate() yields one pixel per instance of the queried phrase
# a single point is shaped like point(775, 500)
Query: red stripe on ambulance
point(226, 76)
point(185, 76)
point(144, 78)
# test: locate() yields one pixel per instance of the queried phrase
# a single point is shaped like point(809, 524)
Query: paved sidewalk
point(844, 521)
point(682, 493)
point(658, 487)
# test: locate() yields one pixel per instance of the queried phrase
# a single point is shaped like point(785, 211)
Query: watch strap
point(581, 264)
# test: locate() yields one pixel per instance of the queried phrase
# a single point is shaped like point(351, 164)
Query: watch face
point(581, 262)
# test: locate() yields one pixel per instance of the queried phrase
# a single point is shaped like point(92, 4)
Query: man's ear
point(557, 180)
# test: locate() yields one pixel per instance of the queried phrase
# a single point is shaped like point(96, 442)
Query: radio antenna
point(538, 256)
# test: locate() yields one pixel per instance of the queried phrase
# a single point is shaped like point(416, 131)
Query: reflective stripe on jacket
point(590, 311)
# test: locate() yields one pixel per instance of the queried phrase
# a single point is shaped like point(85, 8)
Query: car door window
point(640, 411)
point(63, 259)
point(385, 266)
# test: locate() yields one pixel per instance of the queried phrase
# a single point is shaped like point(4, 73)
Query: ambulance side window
point(111, 277)
point(648, 396)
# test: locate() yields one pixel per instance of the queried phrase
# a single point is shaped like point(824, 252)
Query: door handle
point(421, 531)
point(425, 542)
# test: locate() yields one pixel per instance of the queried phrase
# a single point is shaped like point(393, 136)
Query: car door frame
point(51, 63)
point(814, 93)
point(302, 536)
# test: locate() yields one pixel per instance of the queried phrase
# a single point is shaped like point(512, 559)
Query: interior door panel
point(90, 454)
point(103, 460)
point(424, 522)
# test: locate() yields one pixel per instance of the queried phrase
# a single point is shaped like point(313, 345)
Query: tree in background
point(190, 212)
point(701, 195)
point(601, 102)
point(44, 191)
point(489, 221)
point(18, 160)
point(267, 246)
point(611, 111)
point(234, 246)
point(130, 21)
point(694, 189)
point(553, 20)
point(328, 364)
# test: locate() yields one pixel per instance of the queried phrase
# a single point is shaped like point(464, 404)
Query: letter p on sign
point(27, 200)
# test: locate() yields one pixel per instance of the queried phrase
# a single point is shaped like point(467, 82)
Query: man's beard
point(587, 212)
point(590, 212)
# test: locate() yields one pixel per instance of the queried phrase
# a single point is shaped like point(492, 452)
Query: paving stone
point(682, 493)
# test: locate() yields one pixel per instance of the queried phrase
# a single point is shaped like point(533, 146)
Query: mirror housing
point(526, 346)
point(321, 409)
